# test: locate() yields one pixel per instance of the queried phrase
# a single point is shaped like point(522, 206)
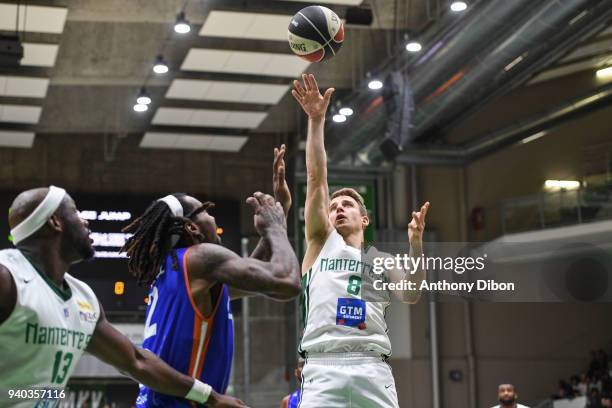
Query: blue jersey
point(294, 400)
point(176, 331)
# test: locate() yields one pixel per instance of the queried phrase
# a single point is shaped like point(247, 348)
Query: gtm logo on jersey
point(350, 312)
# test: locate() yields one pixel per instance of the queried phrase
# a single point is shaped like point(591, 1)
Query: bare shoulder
point(8, 293)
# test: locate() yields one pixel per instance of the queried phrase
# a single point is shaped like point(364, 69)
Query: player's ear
point(55, 223)
point(192, 229)
point(365, 221)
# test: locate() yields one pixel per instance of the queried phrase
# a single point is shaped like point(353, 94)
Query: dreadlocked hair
point(152, 238)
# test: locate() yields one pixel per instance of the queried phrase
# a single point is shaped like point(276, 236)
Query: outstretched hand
point(417, 225)
point(282, 193)
point(310, 99)
point(268, 213)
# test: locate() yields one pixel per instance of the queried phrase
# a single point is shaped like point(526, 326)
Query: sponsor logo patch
point(351, 312)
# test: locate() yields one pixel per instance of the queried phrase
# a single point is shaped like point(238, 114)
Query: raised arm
point(316, 211)
point(282, 194)
point(112, 347)
point(416, 227)
point(278, 278)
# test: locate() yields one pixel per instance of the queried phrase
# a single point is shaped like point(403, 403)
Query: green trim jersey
point(337, 318)
point(46, 333)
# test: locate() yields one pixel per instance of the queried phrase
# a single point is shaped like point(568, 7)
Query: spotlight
point(160, 67)
point(345, 111)
point(413, 46)
point(458, 6)
point(143, 97)
point(375, 84)
point(182, 25)
point(339, 118)
point(139, 107)
point(604, 72)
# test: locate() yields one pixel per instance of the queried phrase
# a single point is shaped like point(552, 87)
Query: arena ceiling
point(86, 60)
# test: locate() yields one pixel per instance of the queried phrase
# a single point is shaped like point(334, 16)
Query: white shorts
point(347, 380)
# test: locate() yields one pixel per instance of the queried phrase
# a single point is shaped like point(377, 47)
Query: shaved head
point(25, 203)
point(70, 231)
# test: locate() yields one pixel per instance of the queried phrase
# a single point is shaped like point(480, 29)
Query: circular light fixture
point(160, 67)
point(413, 46)
point(143, 97)
point(182, 25)
point(339, 118)
point(139, 107)
point(345, 111)
point(375, 84)
point(458, 6)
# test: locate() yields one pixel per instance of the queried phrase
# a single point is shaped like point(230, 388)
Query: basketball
point(315, 33)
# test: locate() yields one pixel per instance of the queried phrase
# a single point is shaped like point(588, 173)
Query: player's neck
point(46, 259)
point(354, 240)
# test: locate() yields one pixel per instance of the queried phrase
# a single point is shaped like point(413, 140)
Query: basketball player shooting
point(49, 318)
point(345, 338)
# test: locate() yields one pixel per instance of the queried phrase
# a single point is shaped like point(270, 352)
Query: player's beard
point(76, 241)
point(507, 402)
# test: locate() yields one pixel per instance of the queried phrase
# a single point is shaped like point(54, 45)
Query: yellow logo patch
point(83, 305)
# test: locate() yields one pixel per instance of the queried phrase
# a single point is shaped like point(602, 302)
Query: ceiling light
point(160, 67)
point(339, 118)
point(139, 107)
point(458, 6)
point(413, 46)
point(533, 137)
point(143, 97)
point(604, 72)
point(561, 184)
point(345, 111)
point(375, 84)
point(182, 25)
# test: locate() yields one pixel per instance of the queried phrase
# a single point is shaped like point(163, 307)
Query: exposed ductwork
point(498, 47)
point(494, 141)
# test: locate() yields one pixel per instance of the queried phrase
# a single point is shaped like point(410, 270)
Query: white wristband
point(199, 392)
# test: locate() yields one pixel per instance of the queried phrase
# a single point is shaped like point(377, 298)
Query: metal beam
point(17, 100)
point(43, 38)
point(242, 44)
point(267, 6)
point(224, 76)
point(26, 71)
point(18, 127)
point(197, 130)
point(491, 142)
point(195, 104)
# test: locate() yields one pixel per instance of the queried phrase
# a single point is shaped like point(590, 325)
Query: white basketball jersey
point(46, 333)
point(336, 317)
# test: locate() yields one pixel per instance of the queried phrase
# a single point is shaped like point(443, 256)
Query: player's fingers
point(328, 95)
point(252, 201)
point(424, 209)
point(268, 199)
point(259, 196)
point(306, 84)
point(299, 88)
point(313, 82)
point(297, 96)
point(277, 158)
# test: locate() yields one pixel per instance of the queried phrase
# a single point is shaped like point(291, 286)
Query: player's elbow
point(137, 366)
point(288, 287)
